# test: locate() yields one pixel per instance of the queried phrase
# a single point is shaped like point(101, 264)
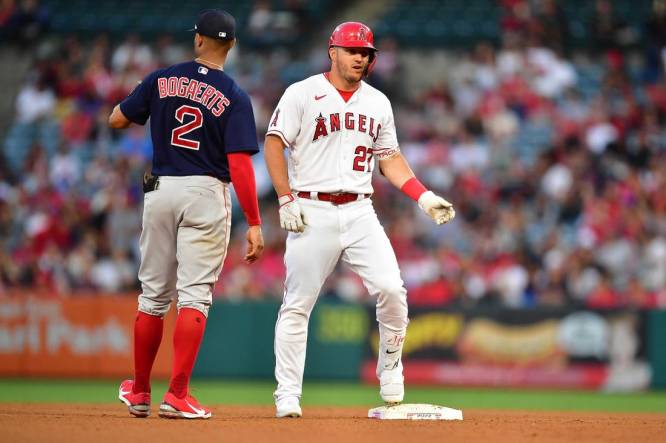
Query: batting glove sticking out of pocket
point(440, 210)
point(291, 216)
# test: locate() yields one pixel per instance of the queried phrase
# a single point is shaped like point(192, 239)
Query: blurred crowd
point(554, 159)
point(22, 21)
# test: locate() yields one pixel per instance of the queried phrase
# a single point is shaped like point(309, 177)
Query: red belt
point(336, 198)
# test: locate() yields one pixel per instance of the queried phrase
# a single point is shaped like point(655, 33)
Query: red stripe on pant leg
point(147, 338)
point(187, 336)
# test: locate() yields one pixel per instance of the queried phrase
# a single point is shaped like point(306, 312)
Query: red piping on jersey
point(242, 176)
point(279, 134)
point(383, 149)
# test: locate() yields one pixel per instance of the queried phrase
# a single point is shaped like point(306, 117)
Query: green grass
point(339, 394)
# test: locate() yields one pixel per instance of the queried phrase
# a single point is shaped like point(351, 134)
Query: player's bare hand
point(440, 210)
point(291, 215)
point(255, 244)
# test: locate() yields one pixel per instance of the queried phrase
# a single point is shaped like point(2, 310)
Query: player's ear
point(333, 53)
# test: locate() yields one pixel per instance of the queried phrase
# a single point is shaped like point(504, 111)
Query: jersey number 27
point(179, 131)
point(362, 157)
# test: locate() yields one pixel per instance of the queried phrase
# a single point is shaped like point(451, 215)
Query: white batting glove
point(440, 210)
point(291, 216)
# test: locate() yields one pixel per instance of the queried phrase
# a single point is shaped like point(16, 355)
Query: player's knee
point(295, 313)
point(392, 306)
point(293, 321)
point(392, 291)
point(300, 300)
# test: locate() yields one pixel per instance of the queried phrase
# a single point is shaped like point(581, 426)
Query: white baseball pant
point(353, 232)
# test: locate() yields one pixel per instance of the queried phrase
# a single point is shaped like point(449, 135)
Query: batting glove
point(440, 210)
point(291, 216)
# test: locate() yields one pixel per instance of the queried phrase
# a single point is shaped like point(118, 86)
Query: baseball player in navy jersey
point(203, 135)
point(337, 128)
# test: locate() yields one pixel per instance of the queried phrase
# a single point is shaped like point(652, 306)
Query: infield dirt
point(97, 423)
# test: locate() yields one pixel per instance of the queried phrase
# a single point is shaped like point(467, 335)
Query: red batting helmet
point(354, 35)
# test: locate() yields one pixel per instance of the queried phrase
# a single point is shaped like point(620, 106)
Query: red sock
point(147, 337)
point(187, 336)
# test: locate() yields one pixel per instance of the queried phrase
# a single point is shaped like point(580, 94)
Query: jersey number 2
point(362, 159)
point(178, 132)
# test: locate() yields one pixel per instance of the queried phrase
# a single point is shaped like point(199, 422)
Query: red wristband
point(413, 188)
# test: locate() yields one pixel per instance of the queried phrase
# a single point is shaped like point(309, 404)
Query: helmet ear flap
point(371, 62)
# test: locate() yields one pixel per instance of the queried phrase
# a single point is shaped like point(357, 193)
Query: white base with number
point(417, 411)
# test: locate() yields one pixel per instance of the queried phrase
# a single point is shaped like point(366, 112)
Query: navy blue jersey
point(197, 116)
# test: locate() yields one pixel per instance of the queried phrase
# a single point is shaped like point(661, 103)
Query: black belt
point(152, 182)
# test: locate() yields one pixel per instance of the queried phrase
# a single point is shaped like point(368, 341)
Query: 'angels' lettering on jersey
point(333, 143)
point(352, 122)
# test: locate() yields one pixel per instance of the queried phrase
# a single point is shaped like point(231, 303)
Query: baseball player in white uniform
point(336, 128)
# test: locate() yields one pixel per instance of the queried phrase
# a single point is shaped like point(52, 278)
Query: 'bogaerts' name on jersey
point(194, 90)
point(350, 121)
point(197, 117)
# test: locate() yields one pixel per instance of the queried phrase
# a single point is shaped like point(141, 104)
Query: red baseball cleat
point(186, 407)
point(138, 404)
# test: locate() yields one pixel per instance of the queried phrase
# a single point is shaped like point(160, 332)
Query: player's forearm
point(242, 176)
point(277, 164)
point(397, 171)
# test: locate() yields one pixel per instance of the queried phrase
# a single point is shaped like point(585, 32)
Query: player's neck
point(340, 83)
point(211, 61)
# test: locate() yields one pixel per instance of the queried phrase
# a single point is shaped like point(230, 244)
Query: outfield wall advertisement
point(91, 336)
point(85, 336)
point(526, 348)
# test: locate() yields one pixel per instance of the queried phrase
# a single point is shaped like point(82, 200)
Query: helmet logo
point(361, 34)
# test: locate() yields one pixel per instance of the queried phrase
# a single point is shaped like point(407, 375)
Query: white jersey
point(332, 144)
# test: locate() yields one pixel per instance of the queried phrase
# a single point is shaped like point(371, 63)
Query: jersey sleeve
point(286, 119)
point(240, 132)
point(386, 144)
point(136, 106)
